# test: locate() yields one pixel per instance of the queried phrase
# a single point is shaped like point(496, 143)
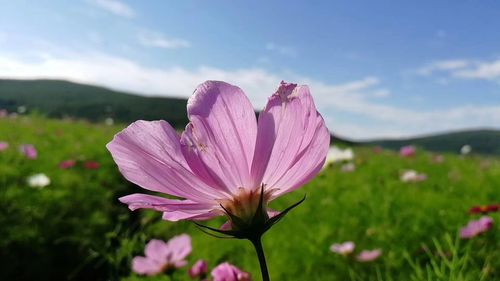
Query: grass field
point(75, 228)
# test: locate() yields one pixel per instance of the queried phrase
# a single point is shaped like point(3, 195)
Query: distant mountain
point(481, 141)
point(58, 99)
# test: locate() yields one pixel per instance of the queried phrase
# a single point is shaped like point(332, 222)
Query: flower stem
point(257, 243)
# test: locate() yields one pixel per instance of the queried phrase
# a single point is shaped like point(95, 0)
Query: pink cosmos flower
point(476, 227)
point(229, 272)
point(161, 257)
point(344, 249)
point(407, 151)
point(3, 113)
point(199, 270)
point(413, 176)
point(67, 164)
point(224, 158)
point(29, 151)
point(367, 256)
point(3, 145)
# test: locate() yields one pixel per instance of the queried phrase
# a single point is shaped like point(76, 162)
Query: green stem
point(257, 243)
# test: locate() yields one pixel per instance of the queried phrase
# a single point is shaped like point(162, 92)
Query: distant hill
point(481, 141)
point(58, 99)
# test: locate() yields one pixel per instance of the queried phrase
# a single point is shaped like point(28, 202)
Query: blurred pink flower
point(91, 165)
point(412, 176)
point(224, 158)
point(407, 151)
point(476, 227)
point(29, 151)
point(367, 256)
point(377, 149)
point(3, 145)
point(198, 270)
point(67, 164)
point(344, 249)
point(3, 113)
point(161, 257)
point(229, 272)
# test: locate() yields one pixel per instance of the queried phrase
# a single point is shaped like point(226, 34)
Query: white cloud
point(115, 7)
point(463, 69)
point(337, 102)
point(382, 93)
point(481, 70)
point(158, 40)
point(283, 50)
point(443, 65)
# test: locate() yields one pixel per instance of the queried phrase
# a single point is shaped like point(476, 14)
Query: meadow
point(75, 228)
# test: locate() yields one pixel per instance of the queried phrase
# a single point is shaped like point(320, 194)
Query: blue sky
point(375, 68)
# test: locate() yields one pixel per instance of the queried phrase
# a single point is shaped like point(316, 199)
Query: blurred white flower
point(344, 249)
point(38, 181)
point(347, 168)
point(336, 154)
point(109, 121)
point(466, 149)
point(412, 176)
point(21, 109)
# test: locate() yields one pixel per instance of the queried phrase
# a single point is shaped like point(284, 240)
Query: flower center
point(247, 208)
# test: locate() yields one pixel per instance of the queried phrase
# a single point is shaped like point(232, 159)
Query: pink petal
point(199, 269)
point(367, 256)
point(179, 264)
point(145, 266)
point(193, 215)
point(179, 247)
point(343, 248)
point(476, 227)
point(292, 140)
point(29, 151)
point(219, 141)
point(157, 250)
point(171, 207)
point(229, 272)
point(3, 145)
point(149, 155)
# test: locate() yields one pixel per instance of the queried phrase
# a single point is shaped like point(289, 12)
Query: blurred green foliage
point(75, 229)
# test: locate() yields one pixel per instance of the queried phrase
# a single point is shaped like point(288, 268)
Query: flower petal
point(144, 201)
point(219, 141)
point(292, 140)
point(149, 155)
point(179, 247)
point(142, 265)
point(157, 250)
point(173, 210)
point(194, 215)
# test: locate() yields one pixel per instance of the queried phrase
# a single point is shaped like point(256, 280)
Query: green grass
point(76, 229)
